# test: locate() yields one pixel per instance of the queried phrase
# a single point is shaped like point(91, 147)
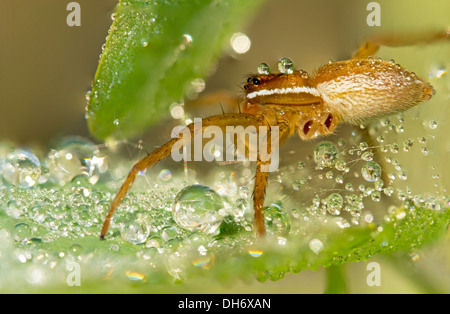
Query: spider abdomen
point(358, 89)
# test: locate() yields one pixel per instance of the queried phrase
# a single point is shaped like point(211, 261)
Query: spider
point(347, 91)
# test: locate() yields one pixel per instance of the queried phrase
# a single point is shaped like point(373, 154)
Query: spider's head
point(286, 88)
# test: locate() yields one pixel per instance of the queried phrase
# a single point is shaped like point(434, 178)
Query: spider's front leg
point(282, 129)
point(221, 121)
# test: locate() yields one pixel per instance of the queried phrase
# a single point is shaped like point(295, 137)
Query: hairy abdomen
point(356, 90)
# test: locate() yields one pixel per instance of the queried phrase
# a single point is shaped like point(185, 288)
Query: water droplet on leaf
point(21, 168)
point(197, 207)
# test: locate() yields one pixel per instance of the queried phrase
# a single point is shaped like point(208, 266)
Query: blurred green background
point(46, 68)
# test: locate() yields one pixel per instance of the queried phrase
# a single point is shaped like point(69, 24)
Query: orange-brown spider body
point(346, 91)
point(349, 91)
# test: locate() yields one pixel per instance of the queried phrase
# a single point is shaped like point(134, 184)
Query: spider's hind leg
point(371, 46)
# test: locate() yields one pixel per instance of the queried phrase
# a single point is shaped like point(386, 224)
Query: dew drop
point(154, 242)
point(363, 146)
point(277, 219)
point(325, 154)
point(407, 144)
point(316, 245)
point(88, 95)
point(177, 110)
point(371, 171)
point(299, 183)
point(341, 165)
point(402, 175)
point(349, 187)
point(432, 124)
point(136, 228)
point(376, 196)
point(333, 203)
point(144, 42)
point(367, 156)
point(263, 68)
point(368, 218)
point(73, 156)
point(22, 231)
point(196, 208)
point(165, 175)
point(286, 66)
point(21, 168)
point(301, 165)
point(38, 213)
point(198, 85)
point(394, 148)
point(187, 39)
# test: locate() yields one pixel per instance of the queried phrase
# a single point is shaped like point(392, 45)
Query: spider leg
point(262, 164)
point(227, 100)
point(370, 47)
point(222, 121)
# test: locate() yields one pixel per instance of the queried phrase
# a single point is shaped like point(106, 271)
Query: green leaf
point(65, 234)
point(153, 52)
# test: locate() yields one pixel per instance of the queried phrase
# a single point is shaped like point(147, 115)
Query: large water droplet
point(197, 207)
point(371, 171)
point(74, 156)
point(286, 66)
point(21, 168)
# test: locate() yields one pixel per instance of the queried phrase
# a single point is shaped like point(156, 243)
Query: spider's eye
point(256, 81)
point(328, 121)
point(307, 127)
